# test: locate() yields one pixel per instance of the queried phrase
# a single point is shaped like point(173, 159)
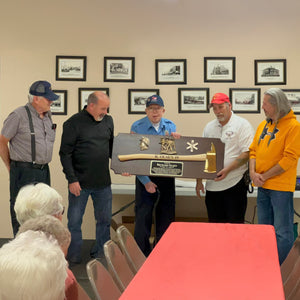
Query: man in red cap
point(226, 195)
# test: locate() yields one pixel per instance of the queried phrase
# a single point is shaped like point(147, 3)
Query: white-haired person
point(53, 227)
point(36, 200)
point(32, 267)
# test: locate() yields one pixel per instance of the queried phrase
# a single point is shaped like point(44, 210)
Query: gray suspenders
point(32, 134)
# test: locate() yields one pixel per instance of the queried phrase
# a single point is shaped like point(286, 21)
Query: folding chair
point(291, 282)
point(101, 281)
point(117, 265)
point(133, 254)
point(287, 266)
point(82, 295)
point(295, 293)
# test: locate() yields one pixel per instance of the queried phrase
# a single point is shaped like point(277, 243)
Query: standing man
point(226, 195)
point(146, 187)
point(86, 146)
point(30, 133)
point(274, 156)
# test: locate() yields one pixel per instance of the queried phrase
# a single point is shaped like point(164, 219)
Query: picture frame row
point(172, 71)
point(190, 100)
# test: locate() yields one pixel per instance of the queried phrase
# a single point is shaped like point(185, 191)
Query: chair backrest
point(295, 293)
point(132, 252)
point(117, 265)
point(287, 266)
point(101, 281)
point(82, 295)
point(291, 283)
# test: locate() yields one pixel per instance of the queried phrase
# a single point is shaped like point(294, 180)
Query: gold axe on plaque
point(209, 158)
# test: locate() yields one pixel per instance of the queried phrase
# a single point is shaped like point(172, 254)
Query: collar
point(84, 111)
point(150, 125)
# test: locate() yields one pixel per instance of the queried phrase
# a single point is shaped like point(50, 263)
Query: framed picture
point(137, 99)
point(219, 69)
point(59, 106)
point(193, 100)
point(170, 71)
point(294, 98)
point(119, 69)
point(83, 94)
point(270, 71)
point(245, 101)
point(71, 68)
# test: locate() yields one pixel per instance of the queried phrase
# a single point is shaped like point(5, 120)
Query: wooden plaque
point(156, 155)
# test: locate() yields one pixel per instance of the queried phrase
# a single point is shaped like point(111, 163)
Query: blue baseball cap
point(154, 99)
point(43, 89)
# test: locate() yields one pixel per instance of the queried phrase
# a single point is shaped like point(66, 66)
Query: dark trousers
point(20, 176)
point(144, 206)
point(228, 206)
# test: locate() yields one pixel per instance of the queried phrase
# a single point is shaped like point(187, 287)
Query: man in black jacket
point(86, 147)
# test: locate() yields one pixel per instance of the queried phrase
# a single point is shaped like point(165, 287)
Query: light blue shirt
point(144, 126)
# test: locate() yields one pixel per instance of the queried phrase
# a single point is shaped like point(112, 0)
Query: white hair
point(30, 98)
point(51, 226)
point(32, 267)
point(37, 200)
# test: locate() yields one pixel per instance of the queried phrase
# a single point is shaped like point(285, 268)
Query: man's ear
point(35, 99)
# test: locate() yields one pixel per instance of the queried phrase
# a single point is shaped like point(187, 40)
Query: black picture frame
point(193, 100)
point(219, 69)
point(59, 107)
point(71, 68)
point(270, 71)
point(245, 100)
point(83, 94)
point(119, 69)
point(293, 96)
point(170, 71)
point(137, 99)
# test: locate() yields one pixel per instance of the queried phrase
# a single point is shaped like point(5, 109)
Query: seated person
point(51, 226)
point(39, 199)
point(32, 267)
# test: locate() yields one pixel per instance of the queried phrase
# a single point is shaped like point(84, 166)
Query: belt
point(24, 164)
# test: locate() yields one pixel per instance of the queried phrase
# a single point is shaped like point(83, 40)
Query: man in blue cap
point(146, 190)
point(30, 133)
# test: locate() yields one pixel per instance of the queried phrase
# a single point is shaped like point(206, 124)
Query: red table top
point(209, 261)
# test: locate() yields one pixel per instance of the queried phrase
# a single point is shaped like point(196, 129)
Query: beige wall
point(33, 32)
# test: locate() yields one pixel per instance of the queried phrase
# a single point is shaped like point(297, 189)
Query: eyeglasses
point(150, 108)
point(63, 211)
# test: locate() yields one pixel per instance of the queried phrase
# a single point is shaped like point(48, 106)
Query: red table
point(209, 261)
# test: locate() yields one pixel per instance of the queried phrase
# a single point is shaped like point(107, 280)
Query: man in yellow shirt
point(274, 155)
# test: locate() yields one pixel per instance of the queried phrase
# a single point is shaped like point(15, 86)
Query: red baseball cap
point(219, 98)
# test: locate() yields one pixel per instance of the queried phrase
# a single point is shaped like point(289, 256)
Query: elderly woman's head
point(51, 226)
point(36, 200)
point(32, 267)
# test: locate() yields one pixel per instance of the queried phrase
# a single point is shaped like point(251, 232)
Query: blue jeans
point(277, 208)
point(102, 201)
